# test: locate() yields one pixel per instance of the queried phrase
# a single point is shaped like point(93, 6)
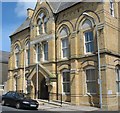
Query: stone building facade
point(4, 56)
point(69, 49)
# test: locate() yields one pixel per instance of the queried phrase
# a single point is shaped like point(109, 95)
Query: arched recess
point(17, 43)
point(63, 67)
point(88, 63)
point(93, 16)
point(66, 24)
point(117, 62)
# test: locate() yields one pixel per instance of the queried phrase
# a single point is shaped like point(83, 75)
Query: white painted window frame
point(88, 42)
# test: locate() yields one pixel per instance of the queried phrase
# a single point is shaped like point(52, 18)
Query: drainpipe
point(55, 19)
point(99, 67)
point(37, 81)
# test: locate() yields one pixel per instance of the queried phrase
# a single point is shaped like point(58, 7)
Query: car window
point(9, 94)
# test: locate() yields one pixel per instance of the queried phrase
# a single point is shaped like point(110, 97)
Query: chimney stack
point(29, 12)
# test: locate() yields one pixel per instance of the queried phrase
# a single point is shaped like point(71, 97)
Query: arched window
point(118, 79)
point(42, 23)
point(88, 36)
point(66, 81)
point(17, 49)
point(64, 43)
point(112, 8)
point(27, 53)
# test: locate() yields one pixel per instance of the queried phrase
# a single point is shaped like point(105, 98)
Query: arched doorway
point(42, 92)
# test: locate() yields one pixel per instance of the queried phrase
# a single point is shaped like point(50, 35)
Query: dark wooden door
point(44, 90)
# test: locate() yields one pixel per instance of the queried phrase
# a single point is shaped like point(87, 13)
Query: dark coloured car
point(18, 100)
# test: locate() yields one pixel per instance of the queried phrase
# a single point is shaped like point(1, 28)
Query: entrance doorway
point(43, 94)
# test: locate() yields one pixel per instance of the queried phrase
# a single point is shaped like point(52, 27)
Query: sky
point(12, 16)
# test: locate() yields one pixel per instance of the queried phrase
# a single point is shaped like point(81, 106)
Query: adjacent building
point(70, 49)
point(4, 56)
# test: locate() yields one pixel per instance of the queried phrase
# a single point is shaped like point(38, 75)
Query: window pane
point(91, 80)
point(28, 57)
point(119, 74)
point(91, 47)
point(66, 82)
point(89, 41)
point(91, 87)
point(46, 51)
point(65, 52)
point(64, 87)
point(118, 86)
point(64, 32)
point(68, 87)
point(118, 79)
point(65, 47)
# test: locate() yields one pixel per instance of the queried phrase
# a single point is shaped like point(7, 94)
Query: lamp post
point(98, 55)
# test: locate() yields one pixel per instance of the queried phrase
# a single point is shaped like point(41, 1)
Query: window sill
point(89, 53)
point(63, 59)
point(90, 94)
point(118, 93)
point(65, 93)
point(45, 61)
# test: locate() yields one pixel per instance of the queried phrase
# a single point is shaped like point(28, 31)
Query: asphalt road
point(9, 109)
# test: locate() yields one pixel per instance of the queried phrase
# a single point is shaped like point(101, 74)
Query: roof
point(59, 6)
point(4, 56)
point(25, 25)
point(56, 7)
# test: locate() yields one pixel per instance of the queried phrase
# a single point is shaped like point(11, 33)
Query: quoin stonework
point(69, 50)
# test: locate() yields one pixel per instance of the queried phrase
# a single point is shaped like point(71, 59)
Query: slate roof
point(59, 6)
point(4, 56)
point(56, 8)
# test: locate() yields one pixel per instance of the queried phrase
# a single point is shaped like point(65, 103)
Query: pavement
point(52, 106)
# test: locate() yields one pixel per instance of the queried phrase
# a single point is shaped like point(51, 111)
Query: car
point(19, 100)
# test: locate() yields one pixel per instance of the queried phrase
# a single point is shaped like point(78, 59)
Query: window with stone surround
point(38, 52)
point(91, 80)
point(118, 79)
point(88, 36)
point(112, 8)
point(66, 81)
point(64, 43)
point(45, 51)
